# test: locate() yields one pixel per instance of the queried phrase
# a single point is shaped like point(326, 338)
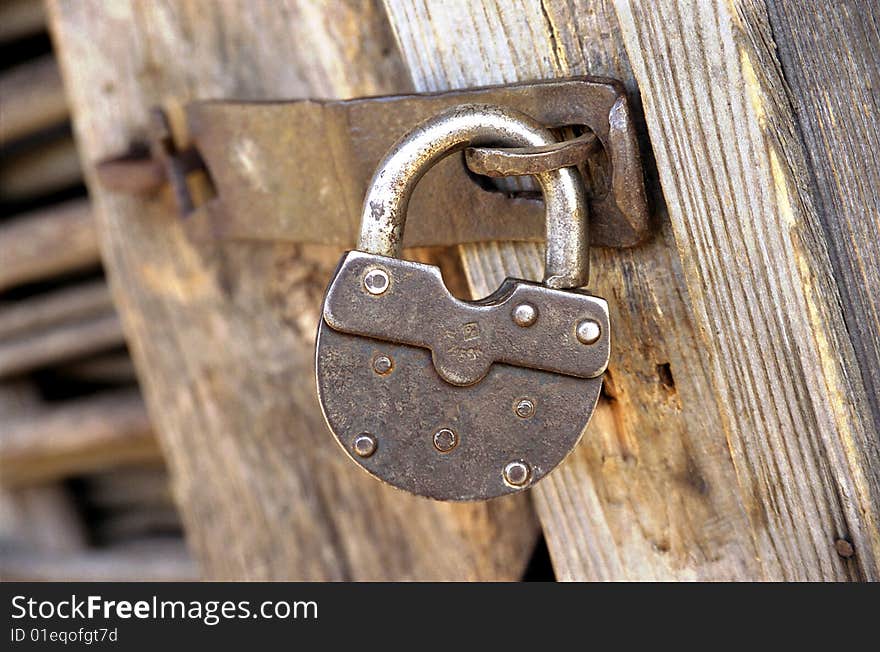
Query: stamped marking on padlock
point(452, 399)
point(466, 338)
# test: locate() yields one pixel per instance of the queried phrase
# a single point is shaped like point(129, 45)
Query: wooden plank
point(659, 491)
point(830, 60)
point(46, 243)
point(42, 517)
point(637, 498)
point(761, 281)
point(62, 342)
point(104, 431)
point(31, 99)
point(50, 309)
point(45, 168)
point(120, 489)
point(223, 335)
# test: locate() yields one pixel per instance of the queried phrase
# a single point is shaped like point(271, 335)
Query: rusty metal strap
point(299, 170)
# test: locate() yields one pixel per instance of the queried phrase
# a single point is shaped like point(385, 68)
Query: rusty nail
point(131, 174)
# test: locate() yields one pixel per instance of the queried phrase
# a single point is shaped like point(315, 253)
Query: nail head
point(588, 331)
point(525, 314)
point(445, 440)
point(517, 473)
point(382, 364)
point(365, 444)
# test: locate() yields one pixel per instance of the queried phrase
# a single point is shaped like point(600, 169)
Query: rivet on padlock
point(452, 399)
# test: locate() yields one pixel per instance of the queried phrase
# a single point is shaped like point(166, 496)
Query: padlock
point(454, 399)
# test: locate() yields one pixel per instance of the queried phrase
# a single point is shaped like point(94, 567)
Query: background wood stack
point(84, 493)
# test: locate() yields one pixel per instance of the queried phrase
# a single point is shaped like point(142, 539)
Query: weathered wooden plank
point(47, 243)
point(84, 435)
point(223, 335)
point(761, 283)
point(42, 517)
point(662, 489)
point(60, 343)
point(634, 500)
point(31, 99)
point(45, 168)
point(830, 60)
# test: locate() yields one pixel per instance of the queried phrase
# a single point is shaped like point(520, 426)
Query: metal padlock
point(452, 399)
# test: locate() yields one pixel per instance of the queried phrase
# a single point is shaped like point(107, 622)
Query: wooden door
point(737, 437)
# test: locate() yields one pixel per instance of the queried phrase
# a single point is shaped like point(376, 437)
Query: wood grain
point(830, 60)
point(222, 336)
point(761, 283)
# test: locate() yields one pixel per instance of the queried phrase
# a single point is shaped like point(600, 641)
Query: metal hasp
point(452, 399)
point(298, 170)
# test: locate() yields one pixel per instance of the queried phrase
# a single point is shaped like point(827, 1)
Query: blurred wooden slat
point(19, 399)
point(86, 435)
point(43, 311)
point(150, 561)
point(43, 517)
point(60, 343)
point(20, 18)
point(40, 170)
point(31, 99)
point(47, 243)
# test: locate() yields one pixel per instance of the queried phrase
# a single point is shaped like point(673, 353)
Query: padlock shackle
point(466, 125)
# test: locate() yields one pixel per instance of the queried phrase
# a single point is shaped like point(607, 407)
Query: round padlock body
point(394, 416)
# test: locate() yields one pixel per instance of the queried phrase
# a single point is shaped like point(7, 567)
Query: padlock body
point(401, 375)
